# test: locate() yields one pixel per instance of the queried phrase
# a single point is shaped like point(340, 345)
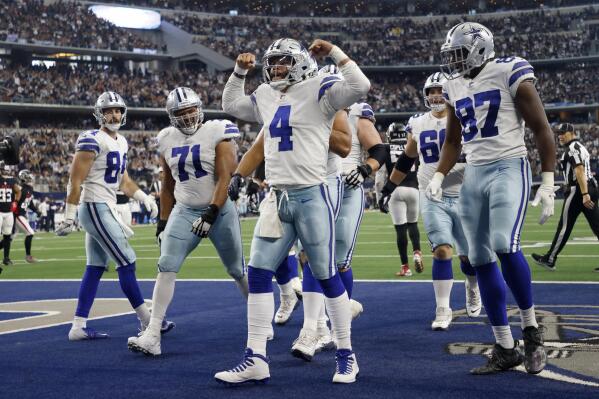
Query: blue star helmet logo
point(475, 33)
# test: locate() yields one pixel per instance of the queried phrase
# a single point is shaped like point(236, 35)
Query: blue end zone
point(398, 354)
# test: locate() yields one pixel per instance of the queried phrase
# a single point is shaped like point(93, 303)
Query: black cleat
point(535, 357)
point(543, 260)
point(501, 360)
point(597, 269)
point(7, 262)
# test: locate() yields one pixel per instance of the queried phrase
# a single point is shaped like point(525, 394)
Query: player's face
point(188, 117)
point(435, 96)
point(112, 115)
point(279, 67)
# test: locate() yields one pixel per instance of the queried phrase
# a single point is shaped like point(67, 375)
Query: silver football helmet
point(110, 99)
point(467, 46)
point(397, 133)
point(291, 54)
point(25, 176)
point(183, 98)
point(435, 80)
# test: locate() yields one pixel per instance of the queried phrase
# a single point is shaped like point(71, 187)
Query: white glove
point(545, 196)
point(148, 201)
point(68, 225)
point(434, 192)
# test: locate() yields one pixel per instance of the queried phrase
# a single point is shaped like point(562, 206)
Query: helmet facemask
point(455, 61)
point(112, 126)
point(438, 102)
point(188, 120)
point(277, 70)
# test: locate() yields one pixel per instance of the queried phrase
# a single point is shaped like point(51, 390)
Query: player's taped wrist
point(337, 55)
point(70, 211)
point(438, 177)
point(140, 196)
point(547, 179)
point(240, 71)
point(210, 214)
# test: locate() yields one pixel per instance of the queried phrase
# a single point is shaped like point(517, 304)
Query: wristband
point(70, 211)
point(240, 72)
point(547, 178)
point(337, 55)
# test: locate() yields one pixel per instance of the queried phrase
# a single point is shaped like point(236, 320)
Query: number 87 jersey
point(492, 129)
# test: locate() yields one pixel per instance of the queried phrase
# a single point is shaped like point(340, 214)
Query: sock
point(313, 298)
point(527, 318)
point(164, 289)
point(88, 289)
point(79, 322)
point(517, 276)
point(322, 317)
point(402, 242)
point(7, 239)
point(347, 276)
point(492, 292)
point(442, 281)
point(261, 309)
point(242, 284)
point(503, 336)
point(337, 304)
point(414, 234)
point(28, 240)
point(286, 270)
point(130, 288)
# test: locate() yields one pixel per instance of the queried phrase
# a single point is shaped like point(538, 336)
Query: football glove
point(201, 227)
point(160, 226)
point(546, 197)
point(235, 186)
point(68, 225)
point(356, 177)
point(386, 196)
point(148, 201)
point(434, 192)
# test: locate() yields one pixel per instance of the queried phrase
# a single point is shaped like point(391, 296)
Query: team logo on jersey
point(571, 341)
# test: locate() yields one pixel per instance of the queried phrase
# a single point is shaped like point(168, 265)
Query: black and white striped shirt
point(575, 155)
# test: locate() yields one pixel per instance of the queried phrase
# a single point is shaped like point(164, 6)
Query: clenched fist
point(320, 48)
point(246, 60)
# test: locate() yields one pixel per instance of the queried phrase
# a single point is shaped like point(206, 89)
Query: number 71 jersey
point(492, 128)
point(192, 158)
point(105, 175)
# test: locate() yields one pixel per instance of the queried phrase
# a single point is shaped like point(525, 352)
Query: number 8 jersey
point(104, 178)
point(492, 129)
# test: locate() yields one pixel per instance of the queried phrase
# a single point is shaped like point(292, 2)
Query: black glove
point(234, 186)
point(357, 176)
point(201, 227)
point(386, 196)
point(160, 226)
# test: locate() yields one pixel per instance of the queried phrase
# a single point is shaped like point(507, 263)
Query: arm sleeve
point(336, 94)
point(237, 104)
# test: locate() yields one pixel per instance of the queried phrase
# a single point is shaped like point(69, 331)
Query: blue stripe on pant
point(104, 237)
point(348, 225)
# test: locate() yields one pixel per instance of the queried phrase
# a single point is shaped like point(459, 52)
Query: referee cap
point(564, 128)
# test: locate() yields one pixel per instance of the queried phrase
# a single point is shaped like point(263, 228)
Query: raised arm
point(235, 101)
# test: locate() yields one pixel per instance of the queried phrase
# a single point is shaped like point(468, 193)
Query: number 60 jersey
point(105, 175)
point(191, 159)
point(492, 129)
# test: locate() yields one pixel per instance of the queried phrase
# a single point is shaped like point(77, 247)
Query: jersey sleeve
point(575, 156)
point(517, 72)
point(335, 93)
point(160, 141)
point(366, 112)
point(225, 130)
point(409, 125)
point(88, 142)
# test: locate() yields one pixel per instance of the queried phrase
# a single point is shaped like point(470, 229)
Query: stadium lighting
point(126, 17)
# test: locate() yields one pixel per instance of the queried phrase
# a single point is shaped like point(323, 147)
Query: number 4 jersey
point(492, 129)
point(105, 175)
point(429, 134)
point(192, 158)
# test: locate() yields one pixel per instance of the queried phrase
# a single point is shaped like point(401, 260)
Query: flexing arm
point(235, 101)
point(340, 140)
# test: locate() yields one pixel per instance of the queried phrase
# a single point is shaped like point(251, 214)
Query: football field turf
point(375, 256)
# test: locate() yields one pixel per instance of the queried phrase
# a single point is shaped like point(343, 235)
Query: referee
point(580, 194)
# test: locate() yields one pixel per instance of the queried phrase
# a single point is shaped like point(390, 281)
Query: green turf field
point(374, 258)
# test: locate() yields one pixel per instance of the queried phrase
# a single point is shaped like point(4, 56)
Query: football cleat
point(347, 367)
point(252, 369)
point(500, 360)
point(325, 339)
point(305, 345)
point(356, 308)
point(147, 343)
point(442, 320)
point(405, 271)
point(7, 262)
point(535, 357)
point(287, 306)
point(473, 301)
point(85, 333)
point(543, 260)
point(596, 269)
point(167, 326)
point(418, 263)
point(30, 259)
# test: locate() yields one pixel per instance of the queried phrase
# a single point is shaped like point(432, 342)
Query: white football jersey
point(191, 159)
point(492, 129)
point(429, 134)
point(107, 170)
point(333, 164)
point(297, 128)
point(356, 155)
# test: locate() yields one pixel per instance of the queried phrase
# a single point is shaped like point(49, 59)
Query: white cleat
point(287, 306)
point(325, 340)
point(85, 333)
point(147, 343)
point(356, 308)
point(296, 284)
point(473, 301)
point(347, 367)
point(252, 369)
point(305, 345)
point(442, 319)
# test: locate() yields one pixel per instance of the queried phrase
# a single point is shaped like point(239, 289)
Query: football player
point(97, 172)
point(122, 207)
point(297, 110)
point(10, 192)
point(24, 204)
point(403, 203)
point(441, 221)
point(197, 160)
point(488, 102)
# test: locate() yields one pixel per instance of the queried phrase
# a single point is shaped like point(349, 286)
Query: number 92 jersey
point(492, 129)
point(106, 173)
point(191, 159)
